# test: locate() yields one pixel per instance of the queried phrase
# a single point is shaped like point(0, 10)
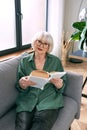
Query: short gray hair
point(45, 37)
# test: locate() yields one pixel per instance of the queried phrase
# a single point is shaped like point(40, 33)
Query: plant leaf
point(79, 25)
point(81, 44)
point(84, 33)
point(86, 41)
point(76, 35)
point(83, 38)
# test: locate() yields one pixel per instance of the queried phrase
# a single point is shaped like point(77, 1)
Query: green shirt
point(48, 98)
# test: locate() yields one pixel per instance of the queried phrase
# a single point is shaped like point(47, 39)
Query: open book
point(42, 77)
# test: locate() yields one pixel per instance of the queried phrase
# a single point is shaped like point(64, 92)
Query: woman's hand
point(58, 82)
point(25, 82)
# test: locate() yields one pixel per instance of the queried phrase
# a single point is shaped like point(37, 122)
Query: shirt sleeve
point(61, 90)
point(20, 73)
point(61, 69)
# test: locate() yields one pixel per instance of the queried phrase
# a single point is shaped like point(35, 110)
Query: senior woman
point(38, 109)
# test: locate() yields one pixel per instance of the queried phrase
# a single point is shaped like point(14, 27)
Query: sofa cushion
point(8, 92)
point(65, 117)
point(7, 122)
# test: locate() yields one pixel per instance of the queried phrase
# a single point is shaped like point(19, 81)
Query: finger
point(32, 83)
point(27, 77)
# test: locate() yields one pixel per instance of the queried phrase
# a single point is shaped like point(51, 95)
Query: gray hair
point(45, 37)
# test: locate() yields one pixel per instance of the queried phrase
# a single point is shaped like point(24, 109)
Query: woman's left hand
point(58, 82)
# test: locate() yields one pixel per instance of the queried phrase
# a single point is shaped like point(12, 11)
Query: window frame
point(18, 23)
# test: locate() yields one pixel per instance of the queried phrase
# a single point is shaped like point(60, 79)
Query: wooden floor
point(81, 68)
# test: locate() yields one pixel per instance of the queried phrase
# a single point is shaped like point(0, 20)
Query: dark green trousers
point(36, 120)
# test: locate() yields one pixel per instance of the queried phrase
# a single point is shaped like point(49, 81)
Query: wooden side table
point(79, 54)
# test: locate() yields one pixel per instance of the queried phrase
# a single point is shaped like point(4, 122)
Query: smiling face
point(41, 47)
point(42, 42)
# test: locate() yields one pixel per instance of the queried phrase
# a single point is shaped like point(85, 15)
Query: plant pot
point(85, 47)
point(84, 50)
point(84, 54)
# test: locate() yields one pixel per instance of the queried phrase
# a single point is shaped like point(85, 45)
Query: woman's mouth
point(39, 49)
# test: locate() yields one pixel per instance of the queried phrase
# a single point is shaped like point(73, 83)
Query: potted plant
point(80, 33)
point(80, 27)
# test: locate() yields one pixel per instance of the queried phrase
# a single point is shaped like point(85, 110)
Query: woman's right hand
point(25, 82)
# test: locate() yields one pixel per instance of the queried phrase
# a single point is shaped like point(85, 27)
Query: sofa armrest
point(66, 114)
point(74, 88)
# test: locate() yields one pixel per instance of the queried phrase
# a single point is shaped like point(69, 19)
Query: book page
point(40, 81)
point(57, 74)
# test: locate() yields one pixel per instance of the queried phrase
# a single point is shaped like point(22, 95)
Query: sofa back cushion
point(8, 92)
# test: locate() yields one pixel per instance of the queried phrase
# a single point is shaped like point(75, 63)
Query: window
point(7, 25)
point(33, 18)
point(19, 21)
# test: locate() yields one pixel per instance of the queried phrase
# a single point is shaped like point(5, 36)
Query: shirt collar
point(32, 56)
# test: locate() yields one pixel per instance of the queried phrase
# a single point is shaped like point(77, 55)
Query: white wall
point(55, 23)
point(61, 15)
point(71, 14)
point(72, 8)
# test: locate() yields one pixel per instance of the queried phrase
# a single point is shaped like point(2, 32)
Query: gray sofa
point(8, 94)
